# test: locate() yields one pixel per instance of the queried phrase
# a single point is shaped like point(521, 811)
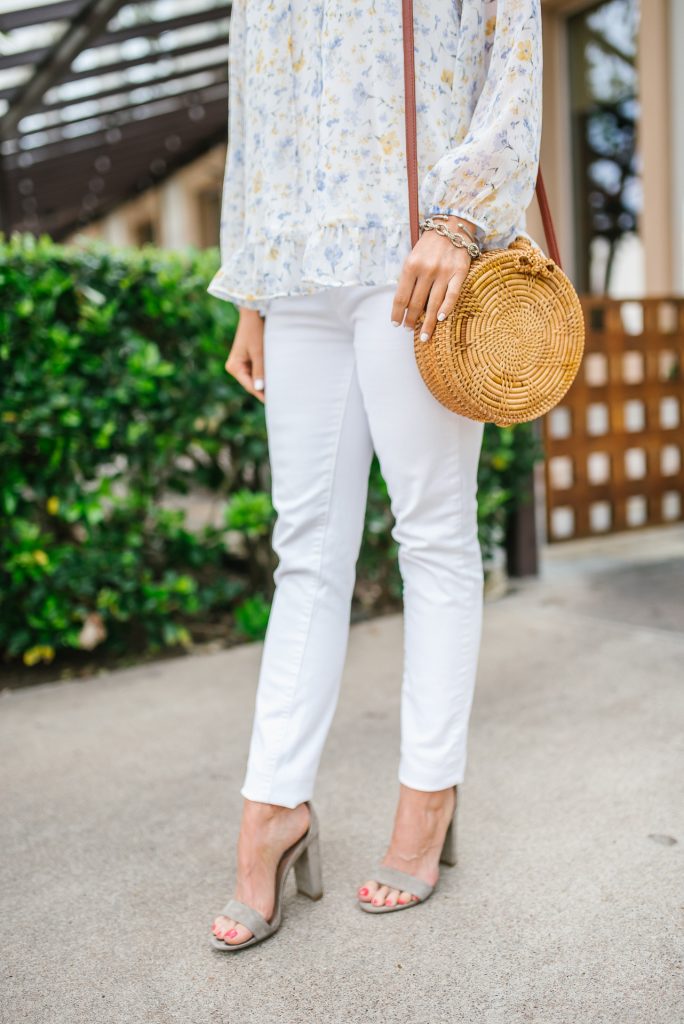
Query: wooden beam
point(45, 13)
point(206, 97)
point(129, 87)
point(87, 26)
point(117, 114)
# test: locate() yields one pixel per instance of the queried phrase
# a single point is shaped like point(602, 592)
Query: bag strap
point(412, 145)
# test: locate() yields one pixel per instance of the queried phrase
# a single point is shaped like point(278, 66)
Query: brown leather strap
point(547, 220)
point(412, 145)
point(410, 112)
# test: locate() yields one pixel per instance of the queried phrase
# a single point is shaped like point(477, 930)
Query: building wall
point(675, 32)
point(183, 211)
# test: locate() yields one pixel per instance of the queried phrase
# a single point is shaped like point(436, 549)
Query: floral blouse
point(315, 189)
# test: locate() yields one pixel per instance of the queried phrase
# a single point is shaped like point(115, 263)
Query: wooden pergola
point(100, 99)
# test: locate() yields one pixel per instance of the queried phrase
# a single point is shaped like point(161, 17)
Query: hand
point(431, 280)
point(246, 359)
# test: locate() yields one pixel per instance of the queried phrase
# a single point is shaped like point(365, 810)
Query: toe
point(378, 899)
point(405, 897)
point(227, 925)
point(392, 898)
point(367, 891)
point(220, 925)
point(237, 935)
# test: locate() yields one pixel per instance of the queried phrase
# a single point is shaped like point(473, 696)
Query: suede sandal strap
point(249, 917)
point(402, 881)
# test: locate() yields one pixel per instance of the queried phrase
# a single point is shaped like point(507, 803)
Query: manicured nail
point(376, 902)
point(232, 933)
point(400, 900)
point(258, 384)
point(364, 891)
point(424, 337)
point(396, 323)
point(441, 316)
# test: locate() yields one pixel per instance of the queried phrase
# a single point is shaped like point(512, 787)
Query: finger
point(435, 301)
point(452, 293)
point(242, 371)
point(407, 280)
point(258, 371)
point(419, 297)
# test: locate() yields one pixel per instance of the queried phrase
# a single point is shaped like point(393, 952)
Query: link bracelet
point(458, 240)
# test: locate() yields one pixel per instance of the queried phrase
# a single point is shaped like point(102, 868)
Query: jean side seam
point(459, 478)
point(275, 761)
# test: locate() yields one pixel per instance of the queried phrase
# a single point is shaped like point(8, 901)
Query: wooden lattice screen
point(615, 445)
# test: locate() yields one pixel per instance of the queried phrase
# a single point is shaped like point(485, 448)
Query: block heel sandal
point(409, 883)
point(305, 857)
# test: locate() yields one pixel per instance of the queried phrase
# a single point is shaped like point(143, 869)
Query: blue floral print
point(315, 188)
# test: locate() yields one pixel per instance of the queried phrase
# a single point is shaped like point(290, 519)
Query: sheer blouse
point(315, 191)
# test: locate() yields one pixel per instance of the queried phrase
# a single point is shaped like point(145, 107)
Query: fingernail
point(396, 323)
point(364, 891)
point(232, 933)
point(258, 384)
point(441, 316)
point(424, 337)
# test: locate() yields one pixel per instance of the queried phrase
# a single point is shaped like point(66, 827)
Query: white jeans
point(340, 381)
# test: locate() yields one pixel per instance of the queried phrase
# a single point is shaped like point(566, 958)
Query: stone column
point(676, 38)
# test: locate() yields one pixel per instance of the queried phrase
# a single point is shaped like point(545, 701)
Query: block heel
point(308, 871)
point(448, 855)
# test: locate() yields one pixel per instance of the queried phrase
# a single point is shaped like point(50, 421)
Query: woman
point(317, 255)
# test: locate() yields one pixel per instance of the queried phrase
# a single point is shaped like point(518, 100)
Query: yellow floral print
point(315, 182)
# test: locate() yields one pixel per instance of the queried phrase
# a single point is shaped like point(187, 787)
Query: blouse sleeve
point(233, 197)
point(489, 177)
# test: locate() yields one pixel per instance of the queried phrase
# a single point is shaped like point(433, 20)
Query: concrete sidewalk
point(120, 800)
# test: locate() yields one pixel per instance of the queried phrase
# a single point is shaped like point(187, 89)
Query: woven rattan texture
point(615, 445)
point(513, 345)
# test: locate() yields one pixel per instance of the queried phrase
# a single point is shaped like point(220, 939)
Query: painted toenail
point(232, 933)
point(376, 902)
point(364, 891)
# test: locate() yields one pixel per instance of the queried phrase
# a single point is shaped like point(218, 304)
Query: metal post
point(5, 222)
point(521, 542)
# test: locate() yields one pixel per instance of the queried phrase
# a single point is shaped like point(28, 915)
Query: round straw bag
point(513, 344)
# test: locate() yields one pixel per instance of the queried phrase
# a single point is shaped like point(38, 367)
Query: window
point(607, 182)
point(209, 203)
point(144, 233)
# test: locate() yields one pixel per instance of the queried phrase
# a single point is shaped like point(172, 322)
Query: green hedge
point(113, 398)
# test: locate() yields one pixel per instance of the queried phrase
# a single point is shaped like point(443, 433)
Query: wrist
point(458, 237)
point(459, 223)
point(456, 222)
